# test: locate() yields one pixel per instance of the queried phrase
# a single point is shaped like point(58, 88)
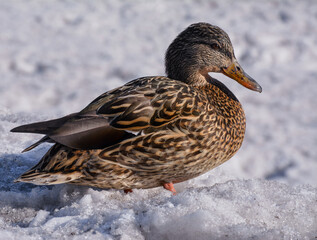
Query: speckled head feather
point(208, 46)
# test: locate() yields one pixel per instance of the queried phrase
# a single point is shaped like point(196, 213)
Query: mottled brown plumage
point(153, 131)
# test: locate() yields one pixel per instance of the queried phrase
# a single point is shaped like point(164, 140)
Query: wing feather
point(148, 107)
point(143, 104)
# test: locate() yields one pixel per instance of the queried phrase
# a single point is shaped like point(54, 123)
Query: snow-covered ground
point(57, 56)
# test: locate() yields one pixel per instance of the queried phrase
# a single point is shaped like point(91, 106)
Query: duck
point(153, 131)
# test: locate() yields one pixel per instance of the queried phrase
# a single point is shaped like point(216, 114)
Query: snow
point(57, 56)
point(235, 209)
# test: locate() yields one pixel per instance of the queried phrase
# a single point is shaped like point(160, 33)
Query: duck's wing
point(161, 102)
point(168, 125)
point(142, 104)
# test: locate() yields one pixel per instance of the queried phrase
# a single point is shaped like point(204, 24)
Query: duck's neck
point(190, 76)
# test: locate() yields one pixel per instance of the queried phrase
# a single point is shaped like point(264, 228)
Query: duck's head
point(202, 48)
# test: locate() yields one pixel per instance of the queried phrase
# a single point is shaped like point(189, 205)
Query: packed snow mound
point(239, 209)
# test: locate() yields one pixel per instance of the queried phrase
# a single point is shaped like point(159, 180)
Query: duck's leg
point(126, 191)
point(170, 187)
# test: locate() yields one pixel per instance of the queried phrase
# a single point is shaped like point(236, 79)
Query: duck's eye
point(215, 46)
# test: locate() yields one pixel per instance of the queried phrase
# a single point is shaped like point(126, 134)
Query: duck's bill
point(236, 72)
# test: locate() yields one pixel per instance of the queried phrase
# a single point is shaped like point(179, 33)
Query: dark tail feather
point(45, 127)
point(42, 140)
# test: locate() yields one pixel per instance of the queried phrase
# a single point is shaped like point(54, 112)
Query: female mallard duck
point(153, 131)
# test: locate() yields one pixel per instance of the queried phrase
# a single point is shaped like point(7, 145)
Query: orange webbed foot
point(170, 187)
point(126, 191)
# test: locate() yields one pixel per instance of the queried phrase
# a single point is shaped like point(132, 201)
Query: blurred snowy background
point(57, 56)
